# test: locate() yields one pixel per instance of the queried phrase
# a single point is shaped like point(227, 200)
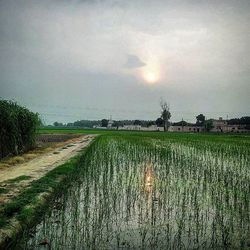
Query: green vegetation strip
point(17, 128)
point(3, 190)
point(18, 179)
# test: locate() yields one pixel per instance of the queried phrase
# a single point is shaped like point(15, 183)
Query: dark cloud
point(133, 62)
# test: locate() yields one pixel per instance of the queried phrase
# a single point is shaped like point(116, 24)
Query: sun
point(151, 77)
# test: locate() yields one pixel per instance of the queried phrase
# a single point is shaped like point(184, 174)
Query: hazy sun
point(151, 77)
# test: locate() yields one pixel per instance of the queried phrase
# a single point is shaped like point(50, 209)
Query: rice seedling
point(152, 192)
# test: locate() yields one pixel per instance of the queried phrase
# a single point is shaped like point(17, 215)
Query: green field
point(153, 191)
point(234, 138)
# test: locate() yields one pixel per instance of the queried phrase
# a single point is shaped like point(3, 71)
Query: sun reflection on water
point(148, 178)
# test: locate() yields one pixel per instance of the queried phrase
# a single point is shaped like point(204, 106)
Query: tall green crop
point(17, 128)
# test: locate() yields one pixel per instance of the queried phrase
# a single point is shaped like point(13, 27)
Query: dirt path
point(39, 166)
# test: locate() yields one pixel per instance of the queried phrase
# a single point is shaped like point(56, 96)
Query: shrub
point(17, 128)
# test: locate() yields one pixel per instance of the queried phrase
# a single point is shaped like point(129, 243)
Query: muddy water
point(150, 196)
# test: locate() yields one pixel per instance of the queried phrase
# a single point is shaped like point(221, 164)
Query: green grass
point(161, 135)
point(18, 179)
point(3, 190)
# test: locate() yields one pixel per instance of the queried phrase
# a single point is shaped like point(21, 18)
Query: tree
point(208, 125)
point(245, 120)
point(150, 123)
point(200, 120)
point(165, 114)
point(159, 122)
point(137, 122)
point(104, 122)
point(57, 124)
point(117, 124)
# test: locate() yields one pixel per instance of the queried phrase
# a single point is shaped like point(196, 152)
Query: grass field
point(154, 190)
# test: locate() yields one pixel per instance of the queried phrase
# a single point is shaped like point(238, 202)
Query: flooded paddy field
point(152, 192)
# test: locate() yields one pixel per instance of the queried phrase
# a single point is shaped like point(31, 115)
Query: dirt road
point(39, 166)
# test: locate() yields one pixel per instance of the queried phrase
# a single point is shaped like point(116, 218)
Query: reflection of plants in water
point(150, 193)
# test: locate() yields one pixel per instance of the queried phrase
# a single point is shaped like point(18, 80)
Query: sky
point(71, 60)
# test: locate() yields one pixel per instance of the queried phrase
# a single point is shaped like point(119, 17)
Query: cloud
point(75, 53)
point(133, 62)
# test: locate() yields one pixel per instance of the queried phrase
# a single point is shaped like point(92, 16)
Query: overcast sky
point(72, 60)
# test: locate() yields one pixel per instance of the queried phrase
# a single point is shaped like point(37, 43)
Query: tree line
point(162, 121)
point(104, 123)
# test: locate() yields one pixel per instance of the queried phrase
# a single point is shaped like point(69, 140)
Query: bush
point(17, 128)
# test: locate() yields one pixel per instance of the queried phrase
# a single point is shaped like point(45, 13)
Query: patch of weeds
point(3, 221)
point(12, 207)
point(4, 165)
point(16, 160)
point(30, 156)
point(26, 214)
point(3, 190)
point(19, 178)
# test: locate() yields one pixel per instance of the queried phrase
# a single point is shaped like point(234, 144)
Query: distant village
point(219, 125)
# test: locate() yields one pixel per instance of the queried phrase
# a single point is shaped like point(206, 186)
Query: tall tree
point(165, 114)
point(104, 122)
point(200, 120)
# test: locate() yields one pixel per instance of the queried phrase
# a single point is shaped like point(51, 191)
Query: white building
point(140, 128)
point(223, 126)
point(195, 129)
point(219, 125)
point(110, 123)
point(130, 127)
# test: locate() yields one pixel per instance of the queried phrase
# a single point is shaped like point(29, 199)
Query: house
point(219, 125)
point(223, 126)
point(187, 128)
point(237, 128)
point(140, 128)
point(152, 128)
point(130, 127)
